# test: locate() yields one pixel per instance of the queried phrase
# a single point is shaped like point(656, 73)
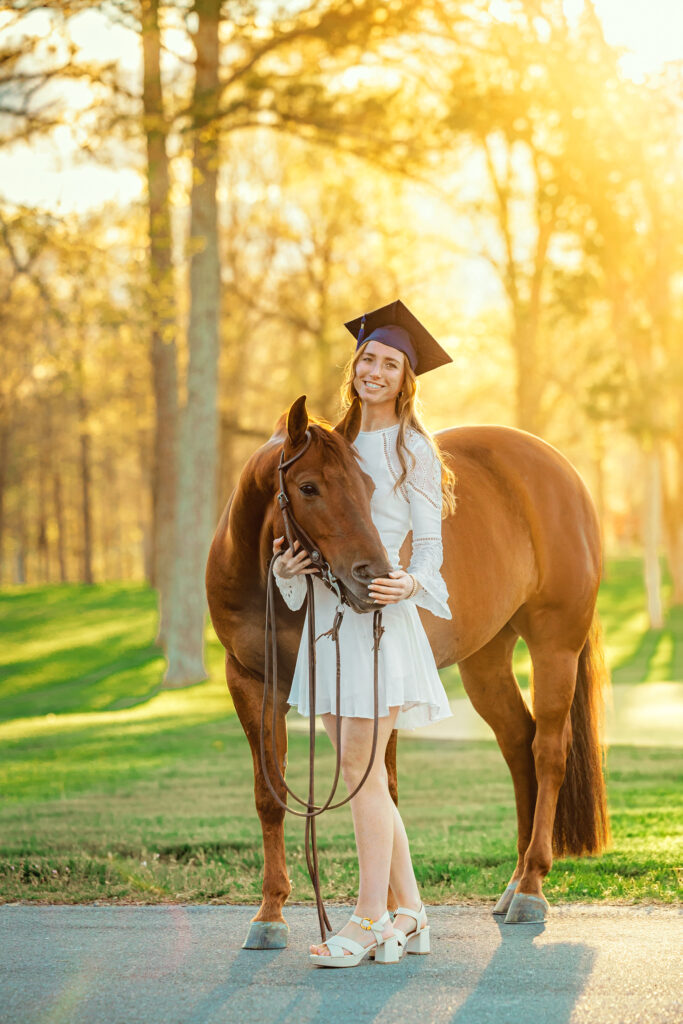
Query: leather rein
point(294, 531)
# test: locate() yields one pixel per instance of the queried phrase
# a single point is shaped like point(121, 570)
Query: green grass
point(76, 648)
point(160, 807)
point(636, 653)
point(71, 647)
point(113, 790)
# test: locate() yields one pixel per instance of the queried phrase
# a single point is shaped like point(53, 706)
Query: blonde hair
point(409, 411)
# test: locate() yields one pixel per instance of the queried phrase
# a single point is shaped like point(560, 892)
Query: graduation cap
point(395, 325)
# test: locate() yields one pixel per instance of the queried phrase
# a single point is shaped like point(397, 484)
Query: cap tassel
point(361, 333)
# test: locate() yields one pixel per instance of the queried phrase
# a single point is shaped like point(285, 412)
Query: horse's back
point(525, 529)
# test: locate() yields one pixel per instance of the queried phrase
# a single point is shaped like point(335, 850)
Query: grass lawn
point(113, 790)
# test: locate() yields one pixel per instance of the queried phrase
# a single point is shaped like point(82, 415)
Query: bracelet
point(413, 592)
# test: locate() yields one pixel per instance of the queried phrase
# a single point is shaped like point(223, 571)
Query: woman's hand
point(292, 563)
point(392, 588)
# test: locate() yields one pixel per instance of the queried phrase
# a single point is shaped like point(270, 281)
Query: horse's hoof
point(526, 909)
point(267, 935)
point(503, 905)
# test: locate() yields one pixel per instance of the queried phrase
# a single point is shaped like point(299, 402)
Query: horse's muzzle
point(361, 603)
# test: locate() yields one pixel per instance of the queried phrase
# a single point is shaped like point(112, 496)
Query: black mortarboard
point(396, 326)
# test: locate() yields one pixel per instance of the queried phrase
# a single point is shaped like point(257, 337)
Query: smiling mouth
point(373, 387)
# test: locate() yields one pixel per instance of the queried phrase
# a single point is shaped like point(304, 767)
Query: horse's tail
point(581, 818)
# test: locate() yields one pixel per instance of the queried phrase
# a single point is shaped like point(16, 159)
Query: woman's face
point(379, 374)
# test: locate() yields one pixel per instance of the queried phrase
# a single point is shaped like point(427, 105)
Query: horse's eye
point(309, 490)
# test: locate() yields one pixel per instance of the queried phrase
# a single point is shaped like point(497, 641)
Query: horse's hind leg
point(390, 764)
point(492, 688)
point(554, 683)
point(268, 928)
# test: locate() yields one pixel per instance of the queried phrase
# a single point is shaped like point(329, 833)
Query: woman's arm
point(289, 570)
point(424, 496)
point(423, 583)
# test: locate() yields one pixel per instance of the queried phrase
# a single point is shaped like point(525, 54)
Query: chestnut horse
point(521, 558)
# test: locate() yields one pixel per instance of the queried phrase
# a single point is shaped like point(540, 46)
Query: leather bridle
point(294, 530)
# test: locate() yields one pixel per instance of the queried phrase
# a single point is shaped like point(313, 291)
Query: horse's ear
point(297, 422)
point(350, 425)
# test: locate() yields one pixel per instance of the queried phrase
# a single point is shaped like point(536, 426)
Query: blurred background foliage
point(194, 196)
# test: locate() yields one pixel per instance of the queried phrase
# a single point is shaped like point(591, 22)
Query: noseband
point(294, 530)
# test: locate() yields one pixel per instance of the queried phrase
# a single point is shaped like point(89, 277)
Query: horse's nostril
point(361, 572)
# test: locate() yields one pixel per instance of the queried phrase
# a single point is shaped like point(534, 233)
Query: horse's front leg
point(268, 929)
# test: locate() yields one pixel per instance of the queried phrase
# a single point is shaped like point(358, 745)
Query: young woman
point(412, 488)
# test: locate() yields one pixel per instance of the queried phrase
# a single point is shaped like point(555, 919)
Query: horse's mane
point(325, 436)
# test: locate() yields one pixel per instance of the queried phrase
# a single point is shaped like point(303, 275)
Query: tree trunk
point(528, 385)
point(20, 560)
point(675, 561)
point(598, 458)
point(58, 504)
point(145, 512)
point(4, 453)
point(523, 289)
point(86, 502)
point(197, 464)
point(672, 497)
point(42, 544)
point(110, 520)
point(652, 517)
point(163, 315)
point(42, 541)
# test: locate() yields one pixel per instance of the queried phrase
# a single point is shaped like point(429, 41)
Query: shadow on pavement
point(528, 981)
point(308, 994)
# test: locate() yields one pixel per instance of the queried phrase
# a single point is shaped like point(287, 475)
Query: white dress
point(408, 676)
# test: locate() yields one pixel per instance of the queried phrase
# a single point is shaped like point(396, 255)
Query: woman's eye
point(309, 490)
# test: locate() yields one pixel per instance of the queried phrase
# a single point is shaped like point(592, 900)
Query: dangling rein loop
point(270, 658)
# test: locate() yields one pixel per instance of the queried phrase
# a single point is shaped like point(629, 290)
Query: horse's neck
point(250, 533)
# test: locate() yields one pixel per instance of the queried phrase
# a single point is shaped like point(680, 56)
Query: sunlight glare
point(652, 33)
point(102, 41)
point(500, 10)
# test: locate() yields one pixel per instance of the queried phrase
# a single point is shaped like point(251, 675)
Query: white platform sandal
point(417, 941)
point(385, 951)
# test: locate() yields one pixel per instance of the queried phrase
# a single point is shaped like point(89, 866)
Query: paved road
point(185, 965)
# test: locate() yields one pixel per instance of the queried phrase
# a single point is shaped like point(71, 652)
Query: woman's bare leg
point(402, 875)
point(381, 840)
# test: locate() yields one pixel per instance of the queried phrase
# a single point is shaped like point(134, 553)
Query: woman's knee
point(356, 750)
point(354, 767)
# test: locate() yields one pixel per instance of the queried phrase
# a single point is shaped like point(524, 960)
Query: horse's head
point(330, 497)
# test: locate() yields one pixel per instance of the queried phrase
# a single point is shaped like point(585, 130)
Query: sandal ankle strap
point(369, 925)
point(415, 914)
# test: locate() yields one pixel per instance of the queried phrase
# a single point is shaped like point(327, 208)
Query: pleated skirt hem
point(413, 714)
point(407, 674)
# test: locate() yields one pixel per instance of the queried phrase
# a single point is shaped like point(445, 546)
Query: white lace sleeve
point(424, 496)
point(292, 589)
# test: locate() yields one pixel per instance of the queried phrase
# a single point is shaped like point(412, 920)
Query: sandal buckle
point(366, 927)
